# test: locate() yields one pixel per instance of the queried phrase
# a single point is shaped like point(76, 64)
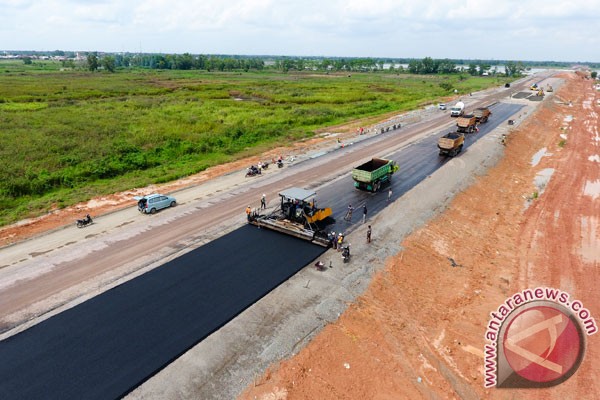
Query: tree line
point(186, 61)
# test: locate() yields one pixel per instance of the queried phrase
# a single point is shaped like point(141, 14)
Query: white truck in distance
point(458, 109)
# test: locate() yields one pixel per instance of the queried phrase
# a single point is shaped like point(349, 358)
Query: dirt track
point(418, 331)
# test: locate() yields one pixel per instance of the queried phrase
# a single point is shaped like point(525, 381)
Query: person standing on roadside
point(263, 202)
point(248, 212)
point(389, 194)
point(369, 234)
point(364, 213)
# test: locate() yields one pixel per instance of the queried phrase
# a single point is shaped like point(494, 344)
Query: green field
point(67, 136)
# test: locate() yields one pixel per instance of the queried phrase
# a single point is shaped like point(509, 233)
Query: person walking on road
point(390, 194)
point(263, 202)
point(364, 213)
point(369, 234)
point(348, 216)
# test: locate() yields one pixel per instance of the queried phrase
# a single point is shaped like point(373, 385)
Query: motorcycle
point(85, 222)
point(252, 171)
point(280, 163)
point(264, 165)
point(346, 253)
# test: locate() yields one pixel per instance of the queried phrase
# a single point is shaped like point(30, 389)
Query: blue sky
point(468, 29)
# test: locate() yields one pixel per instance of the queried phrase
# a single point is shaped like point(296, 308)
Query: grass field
point(67, 136)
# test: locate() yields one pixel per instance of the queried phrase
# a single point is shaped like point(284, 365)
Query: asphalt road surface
point(105, 347)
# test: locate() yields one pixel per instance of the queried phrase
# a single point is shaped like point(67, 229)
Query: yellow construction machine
point(297, 215)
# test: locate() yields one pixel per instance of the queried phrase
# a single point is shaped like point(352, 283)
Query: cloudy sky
point(562, 30)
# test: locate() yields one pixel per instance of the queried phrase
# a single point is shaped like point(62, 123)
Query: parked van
point(152, 203)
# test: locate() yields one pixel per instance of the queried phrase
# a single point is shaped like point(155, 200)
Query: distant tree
point(109, 63)
point(594, 74)
point(27, 61)
point(429, 66)
point(484, 68)
point(415, 67)
point(185, 61)
point(92, 61)
point(446, 66)
point(514, 68)
point(473, 69)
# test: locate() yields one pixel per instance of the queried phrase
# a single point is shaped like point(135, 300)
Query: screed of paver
point(412, 334)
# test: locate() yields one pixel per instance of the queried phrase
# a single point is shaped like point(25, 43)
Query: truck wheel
point(460, 148)
point(375, 187)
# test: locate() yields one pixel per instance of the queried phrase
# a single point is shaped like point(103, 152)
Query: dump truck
point(458, 109)
point(374, 173)
point(451, 143)
point(466, 123)
point(482, 114)
point(297, 215)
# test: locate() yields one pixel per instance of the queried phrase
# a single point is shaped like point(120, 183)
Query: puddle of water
point(542, 178)
point(594, 158)
point(568, 118)
point(537, 157)
point(592, 188)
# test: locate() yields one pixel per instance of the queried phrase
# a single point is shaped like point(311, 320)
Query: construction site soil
point(418, 331)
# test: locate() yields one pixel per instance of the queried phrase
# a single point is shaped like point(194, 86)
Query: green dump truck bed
point(373, 173)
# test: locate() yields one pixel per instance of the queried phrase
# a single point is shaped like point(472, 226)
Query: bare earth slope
point(418, 331)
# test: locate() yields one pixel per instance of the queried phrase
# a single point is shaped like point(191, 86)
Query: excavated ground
point(418, 331)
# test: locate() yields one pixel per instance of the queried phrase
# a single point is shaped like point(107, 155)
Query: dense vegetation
point(67, 136)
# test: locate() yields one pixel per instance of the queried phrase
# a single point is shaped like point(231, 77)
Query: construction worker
point(263, 201)
point(248, 212)
point(348, 216)
point(369, 234)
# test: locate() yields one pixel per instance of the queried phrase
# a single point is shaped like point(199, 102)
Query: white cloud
point(509, 29)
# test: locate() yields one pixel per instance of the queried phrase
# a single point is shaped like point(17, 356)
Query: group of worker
point(251, 213)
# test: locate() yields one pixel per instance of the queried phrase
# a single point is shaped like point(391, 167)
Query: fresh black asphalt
point(110, 344)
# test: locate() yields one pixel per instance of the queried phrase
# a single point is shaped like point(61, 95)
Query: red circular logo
point(542, 344)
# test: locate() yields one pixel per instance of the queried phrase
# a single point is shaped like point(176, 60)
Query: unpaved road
point(418, 330)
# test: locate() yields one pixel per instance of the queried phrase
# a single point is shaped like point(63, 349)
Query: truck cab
point(458, 109)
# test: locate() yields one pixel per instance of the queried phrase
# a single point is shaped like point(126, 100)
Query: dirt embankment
point(418, 331)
